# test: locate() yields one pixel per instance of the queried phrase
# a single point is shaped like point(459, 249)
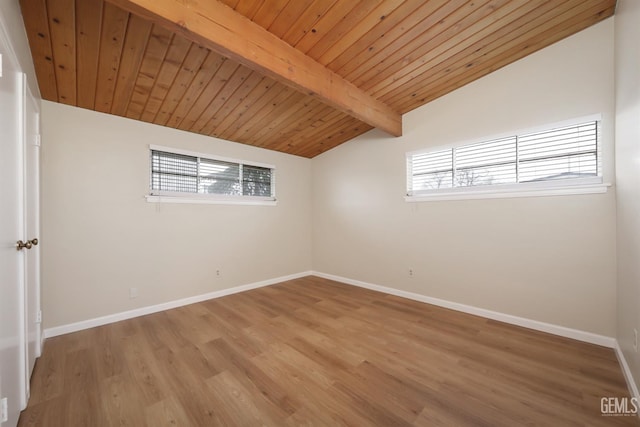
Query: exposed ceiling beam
point(221, 29)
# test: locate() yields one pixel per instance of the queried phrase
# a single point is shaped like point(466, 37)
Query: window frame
point(163, 196)
point(558, 187)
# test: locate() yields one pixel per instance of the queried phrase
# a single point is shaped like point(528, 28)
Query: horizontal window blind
point(256, 181)
point(179, 173)
point(560, 153)
point(433, 170)
point(486, 163)
point(568, 152)
point(174, 172)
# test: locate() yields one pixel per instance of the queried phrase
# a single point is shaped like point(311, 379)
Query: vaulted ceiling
point(297, 76)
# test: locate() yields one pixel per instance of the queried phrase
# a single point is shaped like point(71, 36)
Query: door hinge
point(36, 140)
point(0, 65)
point(4, 410)
point(39, 317)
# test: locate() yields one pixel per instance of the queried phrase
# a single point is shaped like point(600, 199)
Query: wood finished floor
point(316, 352)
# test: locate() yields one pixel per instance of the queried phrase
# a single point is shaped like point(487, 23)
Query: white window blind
point(562, 153)
point(182, 174)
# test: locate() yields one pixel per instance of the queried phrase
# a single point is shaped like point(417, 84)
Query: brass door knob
point(20, 245)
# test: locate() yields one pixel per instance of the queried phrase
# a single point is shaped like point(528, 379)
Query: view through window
point(190, 174)
point(561, 153)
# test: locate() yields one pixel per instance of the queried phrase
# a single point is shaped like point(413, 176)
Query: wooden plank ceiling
point(400, 54)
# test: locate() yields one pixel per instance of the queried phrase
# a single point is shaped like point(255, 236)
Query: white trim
point(192, 198)
point(534, 129)
point(208, 156)
point(22, 226)
point(628, 376)
point(111, 318)
point(509, 191)
point(8, 44)
point(489, 314)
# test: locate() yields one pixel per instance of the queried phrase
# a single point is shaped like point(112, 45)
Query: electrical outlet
point(133, 293)
point(218, 273)
point(635, 339)
point(4, 410)
point(410, 272)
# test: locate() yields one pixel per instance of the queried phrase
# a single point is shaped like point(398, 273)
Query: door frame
point(29, 319)
point(22, 265)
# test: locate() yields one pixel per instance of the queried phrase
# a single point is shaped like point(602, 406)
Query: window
point(180, 174)
point(561, 156)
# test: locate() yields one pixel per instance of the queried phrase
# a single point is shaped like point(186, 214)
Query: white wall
point(100, 236)
point(627, 35)
point(550, 259)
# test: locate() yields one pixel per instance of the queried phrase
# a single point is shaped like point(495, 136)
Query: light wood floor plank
point(314, 352)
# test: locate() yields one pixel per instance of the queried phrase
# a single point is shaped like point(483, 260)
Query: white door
point(12, 332)
point(31, 150)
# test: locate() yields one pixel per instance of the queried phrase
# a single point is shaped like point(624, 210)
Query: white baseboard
point(489, 314)
point(633, 388)
point(112, 318)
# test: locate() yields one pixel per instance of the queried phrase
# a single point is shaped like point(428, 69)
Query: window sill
point(211, 200)
point(511, 192)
